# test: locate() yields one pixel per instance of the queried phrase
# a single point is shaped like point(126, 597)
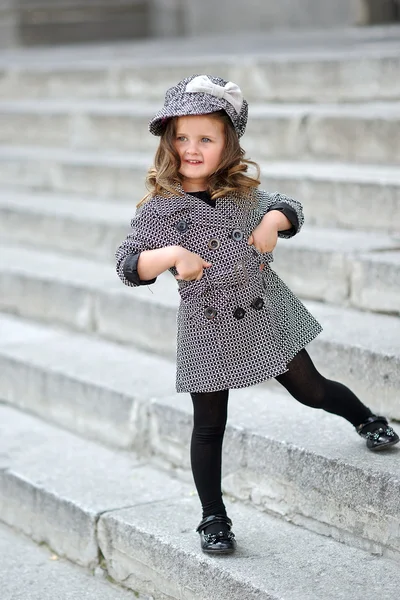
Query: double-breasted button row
point(214, 243)
point(257, 304)
point(239, 312)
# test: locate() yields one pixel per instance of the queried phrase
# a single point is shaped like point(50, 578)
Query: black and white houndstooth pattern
point(178, 103)
point(215, 349)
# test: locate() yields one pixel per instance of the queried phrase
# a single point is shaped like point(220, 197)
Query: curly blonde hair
point(164, 177)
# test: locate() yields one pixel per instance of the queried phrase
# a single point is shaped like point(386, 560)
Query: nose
point(192, 148)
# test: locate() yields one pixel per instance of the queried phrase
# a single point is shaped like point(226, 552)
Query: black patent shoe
point(222, 542)
point(378, 437)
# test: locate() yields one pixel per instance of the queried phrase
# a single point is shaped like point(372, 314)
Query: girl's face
point(200, 142)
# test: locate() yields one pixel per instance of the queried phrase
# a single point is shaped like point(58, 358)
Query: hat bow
point(230, 92)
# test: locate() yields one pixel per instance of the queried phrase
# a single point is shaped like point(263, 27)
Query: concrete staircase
point(94, 440)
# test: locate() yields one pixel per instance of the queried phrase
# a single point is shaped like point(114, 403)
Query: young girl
point(206, 221)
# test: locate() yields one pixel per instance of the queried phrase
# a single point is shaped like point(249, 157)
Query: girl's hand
point(265, 236)
point(189, 265)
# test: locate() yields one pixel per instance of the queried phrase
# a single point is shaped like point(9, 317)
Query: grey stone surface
point(32, 572)
point(146, 522)
point(363, 133)
point(94, 388)
point(274, 560)
point(76, 226)
point(338, 194)
point(331, 264)
point(333, 194)
point(106, 175)
point(352, 64)
point(375, 282)
point(288, 14)
point(44, 22)
point(343, 267)
point(57, 490)
point(328, 482)
point(362, 347)
point(9, 34)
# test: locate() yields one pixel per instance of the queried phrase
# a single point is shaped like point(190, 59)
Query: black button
point(257, 304)
point(239, 313)
point(237, 235)
point(210, 312)
point(214, 244)
point(182, 226)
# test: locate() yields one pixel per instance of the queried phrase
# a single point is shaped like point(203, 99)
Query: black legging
point(302, 381)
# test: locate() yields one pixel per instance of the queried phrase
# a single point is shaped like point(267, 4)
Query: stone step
point(343, 195)
point(353, 132)
point(139, 528)
point(35, 572)
point(87, 295)
point(349, 65)
point(345, 492)
point(360, 269)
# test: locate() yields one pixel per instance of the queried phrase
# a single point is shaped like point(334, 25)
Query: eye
point(181, 138)
point(205, 139)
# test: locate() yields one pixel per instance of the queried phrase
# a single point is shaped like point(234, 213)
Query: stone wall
point(8, 24)
point(34, 22)
point(235, 15)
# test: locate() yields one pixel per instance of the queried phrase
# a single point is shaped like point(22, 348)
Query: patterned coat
point(240, 324)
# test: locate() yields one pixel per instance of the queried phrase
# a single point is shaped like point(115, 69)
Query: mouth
point(193, 162)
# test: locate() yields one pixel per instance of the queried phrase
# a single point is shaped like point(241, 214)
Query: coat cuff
point(290, 214)
point(130, 270)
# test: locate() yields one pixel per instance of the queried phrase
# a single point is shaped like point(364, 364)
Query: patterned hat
point(200, 95)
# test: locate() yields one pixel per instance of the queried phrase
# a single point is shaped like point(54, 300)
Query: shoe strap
point(213, 519)
point(370, 420)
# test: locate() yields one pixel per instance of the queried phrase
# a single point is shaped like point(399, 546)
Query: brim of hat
point(159, 121)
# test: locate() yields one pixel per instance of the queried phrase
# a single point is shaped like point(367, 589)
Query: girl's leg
point(210, 415)
point(209, 421)
point(308, 386)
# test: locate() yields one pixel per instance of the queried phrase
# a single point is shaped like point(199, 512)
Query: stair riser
point(48, 518)
point(307, 80)
point(63, 234)
point(125, 318)
point(329, 496)
point(340, 278)
point(333, 202)
point(312, 137)
point(360, 139)
point(104, 182)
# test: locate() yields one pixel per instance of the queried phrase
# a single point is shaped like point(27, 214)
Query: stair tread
point(322, 44)
point(389, 110)
point(44, 575)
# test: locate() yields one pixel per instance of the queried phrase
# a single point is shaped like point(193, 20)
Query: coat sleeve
point(292, 209)
point(148, 233)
